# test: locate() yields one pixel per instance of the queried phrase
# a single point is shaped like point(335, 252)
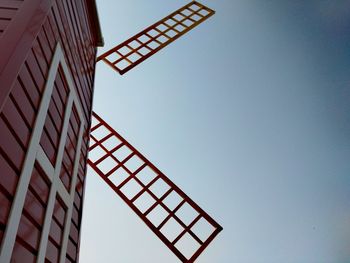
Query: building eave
point(96, 24)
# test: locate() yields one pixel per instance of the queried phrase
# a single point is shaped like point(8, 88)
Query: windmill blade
point(138, 48)
point(178, 221)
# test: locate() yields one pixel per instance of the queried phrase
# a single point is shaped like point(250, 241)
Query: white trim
point(72, 193)
point(57, 185)
point(45, 163)
point(22, 187)
point(54, 186)
point(36, 153)
point(70, 204)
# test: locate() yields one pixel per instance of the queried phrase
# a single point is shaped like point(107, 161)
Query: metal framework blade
point(177, 220)
point(138, 48)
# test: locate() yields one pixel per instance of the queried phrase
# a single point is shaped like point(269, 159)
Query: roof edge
point(96, 24)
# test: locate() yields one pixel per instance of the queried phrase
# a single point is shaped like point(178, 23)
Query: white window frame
point(35, 153)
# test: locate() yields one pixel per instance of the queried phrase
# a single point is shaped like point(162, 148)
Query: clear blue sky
point(249, 113)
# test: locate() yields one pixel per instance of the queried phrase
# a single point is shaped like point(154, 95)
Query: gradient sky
point(249, 114)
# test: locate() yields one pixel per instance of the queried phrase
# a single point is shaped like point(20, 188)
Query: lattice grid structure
point(136, 49)
point(178, 221)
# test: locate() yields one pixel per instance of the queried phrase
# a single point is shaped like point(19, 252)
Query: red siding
point(56, 232)
point(70, 149)
point(73, 243)
point(8, 10)
point(28, 236)
point(66, 22)
point(50, 138)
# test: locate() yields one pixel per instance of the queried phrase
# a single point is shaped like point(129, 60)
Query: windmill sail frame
point(144, 207)
point(145, 44)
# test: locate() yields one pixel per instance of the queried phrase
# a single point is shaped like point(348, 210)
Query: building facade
point(47, 66)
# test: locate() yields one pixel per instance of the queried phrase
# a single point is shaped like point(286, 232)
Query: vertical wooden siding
point(68, 23)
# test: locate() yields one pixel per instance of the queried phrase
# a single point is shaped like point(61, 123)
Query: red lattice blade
point(136, 49)
point(178, 221)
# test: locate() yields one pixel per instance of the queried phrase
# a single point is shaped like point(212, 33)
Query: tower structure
point(47, 69)
point(47, 66)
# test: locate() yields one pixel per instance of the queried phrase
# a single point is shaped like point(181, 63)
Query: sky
point(249, 114)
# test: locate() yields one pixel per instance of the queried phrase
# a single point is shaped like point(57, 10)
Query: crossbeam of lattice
point(138, 48)
point(177, 220)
